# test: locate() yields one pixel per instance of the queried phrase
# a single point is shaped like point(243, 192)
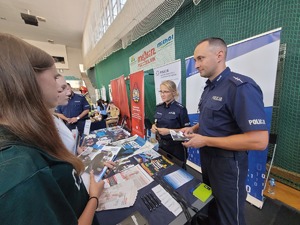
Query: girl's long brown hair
point(21, 105)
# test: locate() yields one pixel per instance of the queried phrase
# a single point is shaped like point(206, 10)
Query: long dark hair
point(100, 103)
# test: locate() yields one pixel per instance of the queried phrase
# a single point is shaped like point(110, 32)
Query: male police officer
point(231, 121)
point(75, 112)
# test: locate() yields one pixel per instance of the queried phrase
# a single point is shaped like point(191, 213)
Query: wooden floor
point(285, 194)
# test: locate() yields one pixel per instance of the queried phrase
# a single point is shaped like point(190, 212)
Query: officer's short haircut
point(215, 41)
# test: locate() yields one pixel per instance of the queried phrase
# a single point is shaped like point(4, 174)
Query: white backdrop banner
point(158, 53)
point(171, 71)
point(256, 57)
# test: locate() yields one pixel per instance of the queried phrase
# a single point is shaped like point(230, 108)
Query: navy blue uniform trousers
point(225, 172)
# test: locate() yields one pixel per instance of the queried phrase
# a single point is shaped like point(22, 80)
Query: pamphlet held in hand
point(178, 136)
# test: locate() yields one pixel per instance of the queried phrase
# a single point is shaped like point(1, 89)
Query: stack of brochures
point(122, 195)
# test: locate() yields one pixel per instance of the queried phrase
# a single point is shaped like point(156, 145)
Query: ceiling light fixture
point(29, 19)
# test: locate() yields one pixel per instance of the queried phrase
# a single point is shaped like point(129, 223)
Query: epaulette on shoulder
point(179, 104)
point(238, 79)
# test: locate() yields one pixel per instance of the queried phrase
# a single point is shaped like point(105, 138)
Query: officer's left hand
point(163, 131)
point(73, 120)
point(153, 129)
point(196, 141)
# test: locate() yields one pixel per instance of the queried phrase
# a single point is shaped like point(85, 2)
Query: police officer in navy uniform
point(231, 122)
point(170, 114)
point(75, 112)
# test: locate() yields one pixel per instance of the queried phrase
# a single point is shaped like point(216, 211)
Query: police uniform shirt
point(173, 116)
point(37, 188)
point(231, 104)
point(76, 105)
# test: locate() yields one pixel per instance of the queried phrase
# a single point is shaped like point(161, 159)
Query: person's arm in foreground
point(252, 140)
point(96, 188)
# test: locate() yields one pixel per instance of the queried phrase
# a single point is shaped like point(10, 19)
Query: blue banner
point(256, 57)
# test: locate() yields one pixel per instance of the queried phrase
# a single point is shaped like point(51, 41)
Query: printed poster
point(158, 53)
point(171, 71)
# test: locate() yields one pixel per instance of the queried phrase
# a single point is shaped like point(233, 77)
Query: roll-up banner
point(120, 97)
point(137, 103)
point(171, 71)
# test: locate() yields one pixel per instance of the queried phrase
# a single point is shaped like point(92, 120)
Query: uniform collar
point(72, 95)
point(218, 79)
point(167, 106)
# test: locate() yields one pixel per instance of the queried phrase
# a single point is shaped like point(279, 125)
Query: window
point(108, 11)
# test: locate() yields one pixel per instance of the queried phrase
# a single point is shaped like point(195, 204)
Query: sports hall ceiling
point(65, 20)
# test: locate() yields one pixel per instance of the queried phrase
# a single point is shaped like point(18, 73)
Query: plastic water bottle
point(272, 185)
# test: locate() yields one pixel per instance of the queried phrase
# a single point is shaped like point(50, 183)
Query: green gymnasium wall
point(233, 20)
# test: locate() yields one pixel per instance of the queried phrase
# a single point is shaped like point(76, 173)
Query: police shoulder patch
point(238, 79)
point(179, 104)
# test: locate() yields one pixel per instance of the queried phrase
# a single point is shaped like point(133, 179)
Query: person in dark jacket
point(170, 114)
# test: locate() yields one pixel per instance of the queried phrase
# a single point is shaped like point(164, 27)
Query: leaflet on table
point(152, 161)
point(202, 192)
point(123, 164)
point(131, 146)
point(146, 156)
point(93, 159)
point(139, 177)
point(167, 200)
point(178, 136)
point(118, 196)
point(104, 136)
point(156, 165)
point(178, 178)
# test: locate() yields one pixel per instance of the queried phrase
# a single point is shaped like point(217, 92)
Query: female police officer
point(170, 114)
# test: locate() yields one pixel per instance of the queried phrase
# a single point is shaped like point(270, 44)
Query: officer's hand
point(196, 141)
point(153, 129)
point(73, 120)
point(163, 131)
point(187, 130)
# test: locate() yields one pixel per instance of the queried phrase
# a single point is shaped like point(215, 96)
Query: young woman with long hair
point(40, 179)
